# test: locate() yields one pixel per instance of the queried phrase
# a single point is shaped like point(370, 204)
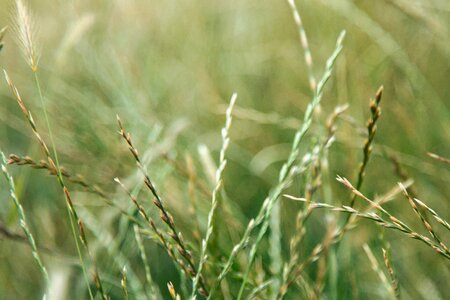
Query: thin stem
point(69, 205)
point(22, 219)
point(148, 276)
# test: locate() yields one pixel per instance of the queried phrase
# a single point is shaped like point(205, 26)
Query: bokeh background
point(169, 68)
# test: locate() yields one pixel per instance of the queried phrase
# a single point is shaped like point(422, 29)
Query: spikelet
point(25, 29)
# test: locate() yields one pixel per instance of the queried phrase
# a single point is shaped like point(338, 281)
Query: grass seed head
point(26, 32)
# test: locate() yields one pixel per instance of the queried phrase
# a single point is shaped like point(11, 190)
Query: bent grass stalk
point(23, 221)
point(164, 214)
point(284, 176)
point(76, 179)
point(392, 275)
point(69, 205)
point(42, 164)
point(162, 239)
point(214, 202)
point(26, 32)
point(422, 218)
point(397, 224)
point(435, 215)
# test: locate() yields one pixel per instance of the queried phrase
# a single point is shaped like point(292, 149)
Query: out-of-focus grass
point(168, 69)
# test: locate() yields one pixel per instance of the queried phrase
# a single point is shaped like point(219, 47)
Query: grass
point(288, 193)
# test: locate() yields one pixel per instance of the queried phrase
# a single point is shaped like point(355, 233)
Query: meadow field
point(225, 149)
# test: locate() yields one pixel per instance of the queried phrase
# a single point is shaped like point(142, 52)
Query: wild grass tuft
point(266, 216)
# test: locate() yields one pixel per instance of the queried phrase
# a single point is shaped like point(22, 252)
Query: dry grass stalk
point(42, 164)
point(159, 234)
point(164, 214)
point(73, 216)
point(435, 215)
point(439, 158)
point(396, 223)
point(394, 280)
point(422, 217)
point(338, 234)
point(76, 179)
point(375, 112)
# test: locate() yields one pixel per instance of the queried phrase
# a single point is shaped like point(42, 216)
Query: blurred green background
point(168, 68)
